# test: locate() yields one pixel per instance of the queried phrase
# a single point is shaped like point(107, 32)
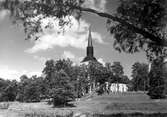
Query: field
point(106, 104)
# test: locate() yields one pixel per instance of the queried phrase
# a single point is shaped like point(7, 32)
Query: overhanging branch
point(154, 38)
point(159, 41)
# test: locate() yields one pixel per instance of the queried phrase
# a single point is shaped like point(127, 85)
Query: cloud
point(101, 61)
point(99, 5)
point(10, 74)
point(74, 36)
point(3, 14)
point(41, 59)
point(76, 59)
point(68, 54)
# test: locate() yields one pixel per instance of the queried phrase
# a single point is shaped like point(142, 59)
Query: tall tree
point(63, 90)
point(79, 79)
point(60, 79)
point(108, 67)
point(156, 82)
point(66, 65)
point(118, 72)
point(21, 86)
point(49, 69)
point(140, 79)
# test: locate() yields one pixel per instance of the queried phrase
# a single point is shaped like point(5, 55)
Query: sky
point(19, 56)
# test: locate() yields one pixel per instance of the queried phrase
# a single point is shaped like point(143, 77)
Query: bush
point(61, 97)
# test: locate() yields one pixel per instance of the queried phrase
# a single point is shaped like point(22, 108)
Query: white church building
point(114, 87)
point(118, 87)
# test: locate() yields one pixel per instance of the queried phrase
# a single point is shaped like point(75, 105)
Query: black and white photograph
point(83, 58)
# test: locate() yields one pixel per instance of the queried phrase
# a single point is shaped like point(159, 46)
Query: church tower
point(89, 49)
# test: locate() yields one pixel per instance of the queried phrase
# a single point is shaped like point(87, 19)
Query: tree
point(125, 79)
point(31, 89)
point(138, 24)
point(49, 70)
point(140, 79)
point(8, 90)
point(148, 15)
point(108, 67)
point(96, 72)
point(156, 82)
point(82, 81)
point(67, 67)
point(21, 86)
point(60, 80)
point(63, 92)
point(118, 72)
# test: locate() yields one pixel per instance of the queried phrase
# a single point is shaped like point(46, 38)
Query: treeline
point(62, 81)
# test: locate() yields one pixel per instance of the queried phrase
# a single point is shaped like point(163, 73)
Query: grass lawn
point(126, 103)
point(113, 103)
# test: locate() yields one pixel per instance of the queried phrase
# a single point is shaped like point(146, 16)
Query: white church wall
point(114, 87)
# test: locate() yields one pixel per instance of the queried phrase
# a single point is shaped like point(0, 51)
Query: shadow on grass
point(69, 105)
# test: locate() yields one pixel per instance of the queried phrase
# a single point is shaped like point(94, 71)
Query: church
point(90, 58)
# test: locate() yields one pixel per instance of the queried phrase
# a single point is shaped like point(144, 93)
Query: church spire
point(90, 38)
point(89, 49)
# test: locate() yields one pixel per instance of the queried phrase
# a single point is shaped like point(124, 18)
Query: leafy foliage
point(157, 84)
point(138, 24)
point(118, 72)
point(97, 72)
point(31, 89)
point(61, 82)
point(8, 90)
point(60, 85)
point(140, 79)
point(148, 15)
point(32, 12)
point(81, 83)
point(63, 92)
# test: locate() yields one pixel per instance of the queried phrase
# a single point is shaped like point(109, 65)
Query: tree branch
point(159, 41)
point(154, 38)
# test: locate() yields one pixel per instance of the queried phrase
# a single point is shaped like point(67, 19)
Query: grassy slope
point(113, 103)
point(127, 102)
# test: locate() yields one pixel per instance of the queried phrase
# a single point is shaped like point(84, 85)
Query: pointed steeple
point(89, 49)
point(90, 38)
